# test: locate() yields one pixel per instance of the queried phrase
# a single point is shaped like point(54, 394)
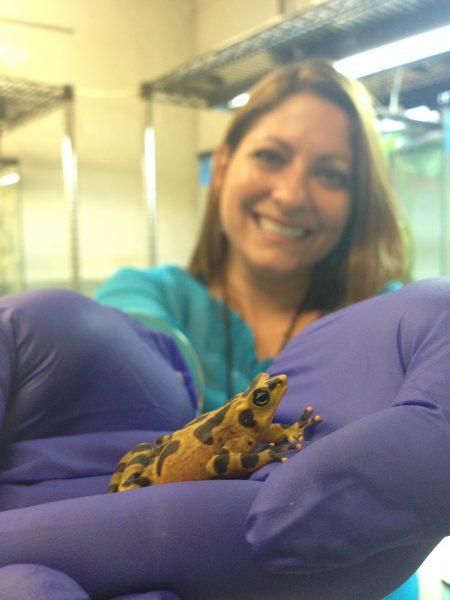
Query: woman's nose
point(290, 187)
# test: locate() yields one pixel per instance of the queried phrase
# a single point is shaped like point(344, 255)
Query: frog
point(231, 441)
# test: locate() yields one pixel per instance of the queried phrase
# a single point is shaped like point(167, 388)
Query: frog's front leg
point(233, 464)
point(294, 433)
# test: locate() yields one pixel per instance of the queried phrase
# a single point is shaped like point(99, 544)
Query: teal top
point(171, 295)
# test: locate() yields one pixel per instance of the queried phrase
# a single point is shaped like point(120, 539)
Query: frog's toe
point(305, 414)
point(278, 455)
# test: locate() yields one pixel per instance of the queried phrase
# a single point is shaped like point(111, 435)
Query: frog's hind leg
point(129, 473)
point(233, 464)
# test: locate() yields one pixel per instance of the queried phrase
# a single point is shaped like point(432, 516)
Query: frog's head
point(256, 407)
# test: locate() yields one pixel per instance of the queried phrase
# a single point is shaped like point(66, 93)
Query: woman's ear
point(221, 160)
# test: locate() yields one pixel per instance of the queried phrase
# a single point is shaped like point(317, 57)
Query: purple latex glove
point(69, 365)
point(375, 477)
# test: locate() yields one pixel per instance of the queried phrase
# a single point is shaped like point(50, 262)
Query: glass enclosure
point(416, 161)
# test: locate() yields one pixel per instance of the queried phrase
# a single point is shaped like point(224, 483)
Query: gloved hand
point(69, 365)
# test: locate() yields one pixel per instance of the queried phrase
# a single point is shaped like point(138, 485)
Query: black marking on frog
point(169, 448)
point(221, 462)
point(204, 432)
point(247, 418)
point(143, 447)
point(141, 459)
point(131, 480)
point(249, 460)
point(143, 481)
point(199, 419)
point(272, 384)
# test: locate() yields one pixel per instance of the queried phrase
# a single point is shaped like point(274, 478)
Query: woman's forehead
point(304, 118)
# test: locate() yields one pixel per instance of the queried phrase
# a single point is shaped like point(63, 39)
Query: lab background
point(110, 111)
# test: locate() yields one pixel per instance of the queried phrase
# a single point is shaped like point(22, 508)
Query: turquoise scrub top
point(171, 295)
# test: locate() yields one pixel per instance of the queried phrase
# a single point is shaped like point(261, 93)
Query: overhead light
point(238, 101)
point(423, 113)
point(387, 125)
point(9, 179)
point(397, 53)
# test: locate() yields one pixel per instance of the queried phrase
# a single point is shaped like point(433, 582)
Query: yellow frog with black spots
point(218, 444)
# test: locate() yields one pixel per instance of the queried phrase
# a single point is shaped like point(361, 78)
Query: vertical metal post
point(444, 101)
point(70, 175)
point(22, 263)
point(149, 174)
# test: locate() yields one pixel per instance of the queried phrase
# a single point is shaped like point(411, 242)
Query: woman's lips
point(269, 225)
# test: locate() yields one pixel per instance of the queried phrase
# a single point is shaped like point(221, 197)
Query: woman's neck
point(270, 305)
point(249, 288)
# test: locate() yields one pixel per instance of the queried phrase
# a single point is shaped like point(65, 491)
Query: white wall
point(105, 49)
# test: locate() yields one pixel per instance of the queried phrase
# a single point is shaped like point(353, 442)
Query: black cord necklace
point(226, 320)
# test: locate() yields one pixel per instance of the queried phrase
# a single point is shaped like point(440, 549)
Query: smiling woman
point(300, 222)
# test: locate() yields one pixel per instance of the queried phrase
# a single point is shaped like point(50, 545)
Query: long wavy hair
point(371, 251)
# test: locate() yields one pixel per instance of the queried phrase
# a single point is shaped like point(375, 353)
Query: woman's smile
point(279, 230)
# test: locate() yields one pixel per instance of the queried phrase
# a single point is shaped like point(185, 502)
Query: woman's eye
point(269, 158)
point(333, 179)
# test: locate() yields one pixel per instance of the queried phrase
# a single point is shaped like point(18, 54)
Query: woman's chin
point(277, 271)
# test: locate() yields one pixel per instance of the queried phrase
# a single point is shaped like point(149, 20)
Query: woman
point(300, 222)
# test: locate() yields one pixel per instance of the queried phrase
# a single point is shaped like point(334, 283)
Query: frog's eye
point(261, 397)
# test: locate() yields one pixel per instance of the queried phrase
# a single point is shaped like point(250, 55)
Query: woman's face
point(285, 191)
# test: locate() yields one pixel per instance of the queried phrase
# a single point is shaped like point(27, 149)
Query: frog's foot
point(295, 433)
point(305, 422)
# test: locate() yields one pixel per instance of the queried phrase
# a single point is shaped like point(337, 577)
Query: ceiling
point(331, 29)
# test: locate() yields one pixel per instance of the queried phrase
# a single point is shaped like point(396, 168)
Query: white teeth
point(286, 230)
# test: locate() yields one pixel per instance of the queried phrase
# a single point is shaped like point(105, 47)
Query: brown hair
point(371, 251)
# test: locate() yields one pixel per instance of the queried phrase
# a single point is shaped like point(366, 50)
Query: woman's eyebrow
point(325, 157)
point(336, 157)
point(279, 141)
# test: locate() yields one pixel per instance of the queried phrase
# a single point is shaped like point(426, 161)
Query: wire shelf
point(22, 100)
point(331, 29)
